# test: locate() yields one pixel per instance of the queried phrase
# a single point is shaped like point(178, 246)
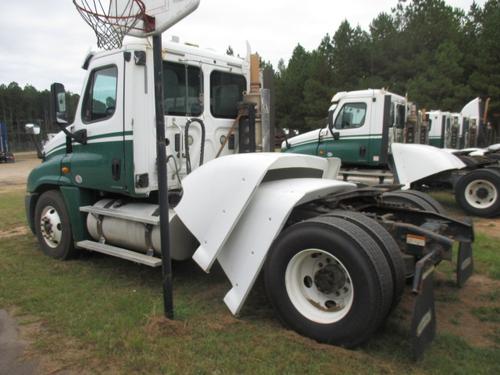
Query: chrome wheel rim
point(51, 226)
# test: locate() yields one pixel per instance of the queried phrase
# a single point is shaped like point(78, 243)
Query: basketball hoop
point(112, 20)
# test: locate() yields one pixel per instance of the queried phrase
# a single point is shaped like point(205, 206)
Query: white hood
point(302, 138)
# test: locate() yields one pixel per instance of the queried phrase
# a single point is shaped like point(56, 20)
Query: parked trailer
point(335, 257)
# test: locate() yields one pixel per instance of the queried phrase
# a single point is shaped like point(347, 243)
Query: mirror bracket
point(58, 115)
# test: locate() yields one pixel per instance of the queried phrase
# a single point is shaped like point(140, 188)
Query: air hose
point(186, 142)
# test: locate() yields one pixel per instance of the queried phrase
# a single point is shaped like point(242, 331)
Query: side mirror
point(330, 118)
point(32, 129)
point(58, 113)
point(336, 136)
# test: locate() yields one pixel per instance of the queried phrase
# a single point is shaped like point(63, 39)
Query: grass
point(488, 313)
point(487, 255)
point(12, 210)
point(107, 313)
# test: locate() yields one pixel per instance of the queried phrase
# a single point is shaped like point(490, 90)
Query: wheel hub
point(51, 226)
point(481, 194)
point(330, 279)
point(319, 286)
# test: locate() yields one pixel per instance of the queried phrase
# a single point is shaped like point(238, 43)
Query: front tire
point(478, 192)
point(52, 226)
point(328, 280)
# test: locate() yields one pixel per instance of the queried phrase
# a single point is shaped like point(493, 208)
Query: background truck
point(334, 257)
point(363, 126)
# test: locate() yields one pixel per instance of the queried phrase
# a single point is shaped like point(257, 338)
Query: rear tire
point(409, 199)
point(52, 226)
point(478, 192)
point(328, 280)
point(437, 207)
point(386, 243)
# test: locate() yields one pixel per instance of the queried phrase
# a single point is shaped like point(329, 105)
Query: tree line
point(23, 105)
point(440, 56)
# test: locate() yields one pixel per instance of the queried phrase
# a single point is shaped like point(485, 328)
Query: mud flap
point(465, 263)
point(423, 322)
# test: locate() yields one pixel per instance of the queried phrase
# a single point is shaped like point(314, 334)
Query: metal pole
point(161, 158)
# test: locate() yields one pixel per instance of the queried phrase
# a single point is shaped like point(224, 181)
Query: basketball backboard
point(166, 13)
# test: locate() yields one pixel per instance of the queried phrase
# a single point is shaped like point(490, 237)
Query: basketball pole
point(161, 158)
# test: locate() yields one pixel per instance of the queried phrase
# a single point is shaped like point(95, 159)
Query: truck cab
point(117, 101)
point(361, 127)
point(437, 128)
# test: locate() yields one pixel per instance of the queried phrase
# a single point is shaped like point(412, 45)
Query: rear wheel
point(328, 280)
point(52, 226)
point(409, 199)
point(437, 207)
point(386, 243)
point(478, 193)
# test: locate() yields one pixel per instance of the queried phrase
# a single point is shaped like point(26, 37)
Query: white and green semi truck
point(335, 257)
point(361, 127)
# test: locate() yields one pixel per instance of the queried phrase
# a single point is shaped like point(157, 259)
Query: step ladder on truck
point(162, 162)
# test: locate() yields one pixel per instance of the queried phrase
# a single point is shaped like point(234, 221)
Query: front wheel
point(52, 226)
point(328, 280)
point(478, 193)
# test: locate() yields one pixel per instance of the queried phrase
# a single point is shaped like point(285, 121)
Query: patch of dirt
point(12, 348)
point(456, 317)
point(16, 231)
point(13, 176)
point(221, 322)
point(58, 355)
point(489, 227)
point(159, 325)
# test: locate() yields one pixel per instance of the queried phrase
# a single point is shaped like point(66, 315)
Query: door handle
point(362, 151)
point(115, 169)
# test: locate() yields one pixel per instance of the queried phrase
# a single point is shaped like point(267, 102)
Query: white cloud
point(46, 41)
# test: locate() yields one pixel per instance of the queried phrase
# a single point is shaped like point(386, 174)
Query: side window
point(100, 96)
point(183, 89)
point(226, 90)
point(392, 115)
point(351, 116)
point(400, 116)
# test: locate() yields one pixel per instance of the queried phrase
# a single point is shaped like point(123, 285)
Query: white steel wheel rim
point(51, 226)
point(319, 286)
point(481, 194)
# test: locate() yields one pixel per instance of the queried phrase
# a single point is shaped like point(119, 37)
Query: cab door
point(352, 123)
point(99, 164)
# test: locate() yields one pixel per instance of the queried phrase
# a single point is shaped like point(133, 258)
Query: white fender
point(244, 253)
point(414, 162)
point(216, 194)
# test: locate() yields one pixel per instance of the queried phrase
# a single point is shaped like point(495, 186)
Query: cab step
point(153, 220)
point(120, 253)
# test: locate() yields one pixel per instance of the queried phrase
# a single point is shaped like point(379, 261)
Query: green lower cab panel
point(360, 151)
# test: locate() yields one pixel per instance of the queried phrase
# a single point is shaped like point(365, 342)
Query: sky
point(45, 41)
